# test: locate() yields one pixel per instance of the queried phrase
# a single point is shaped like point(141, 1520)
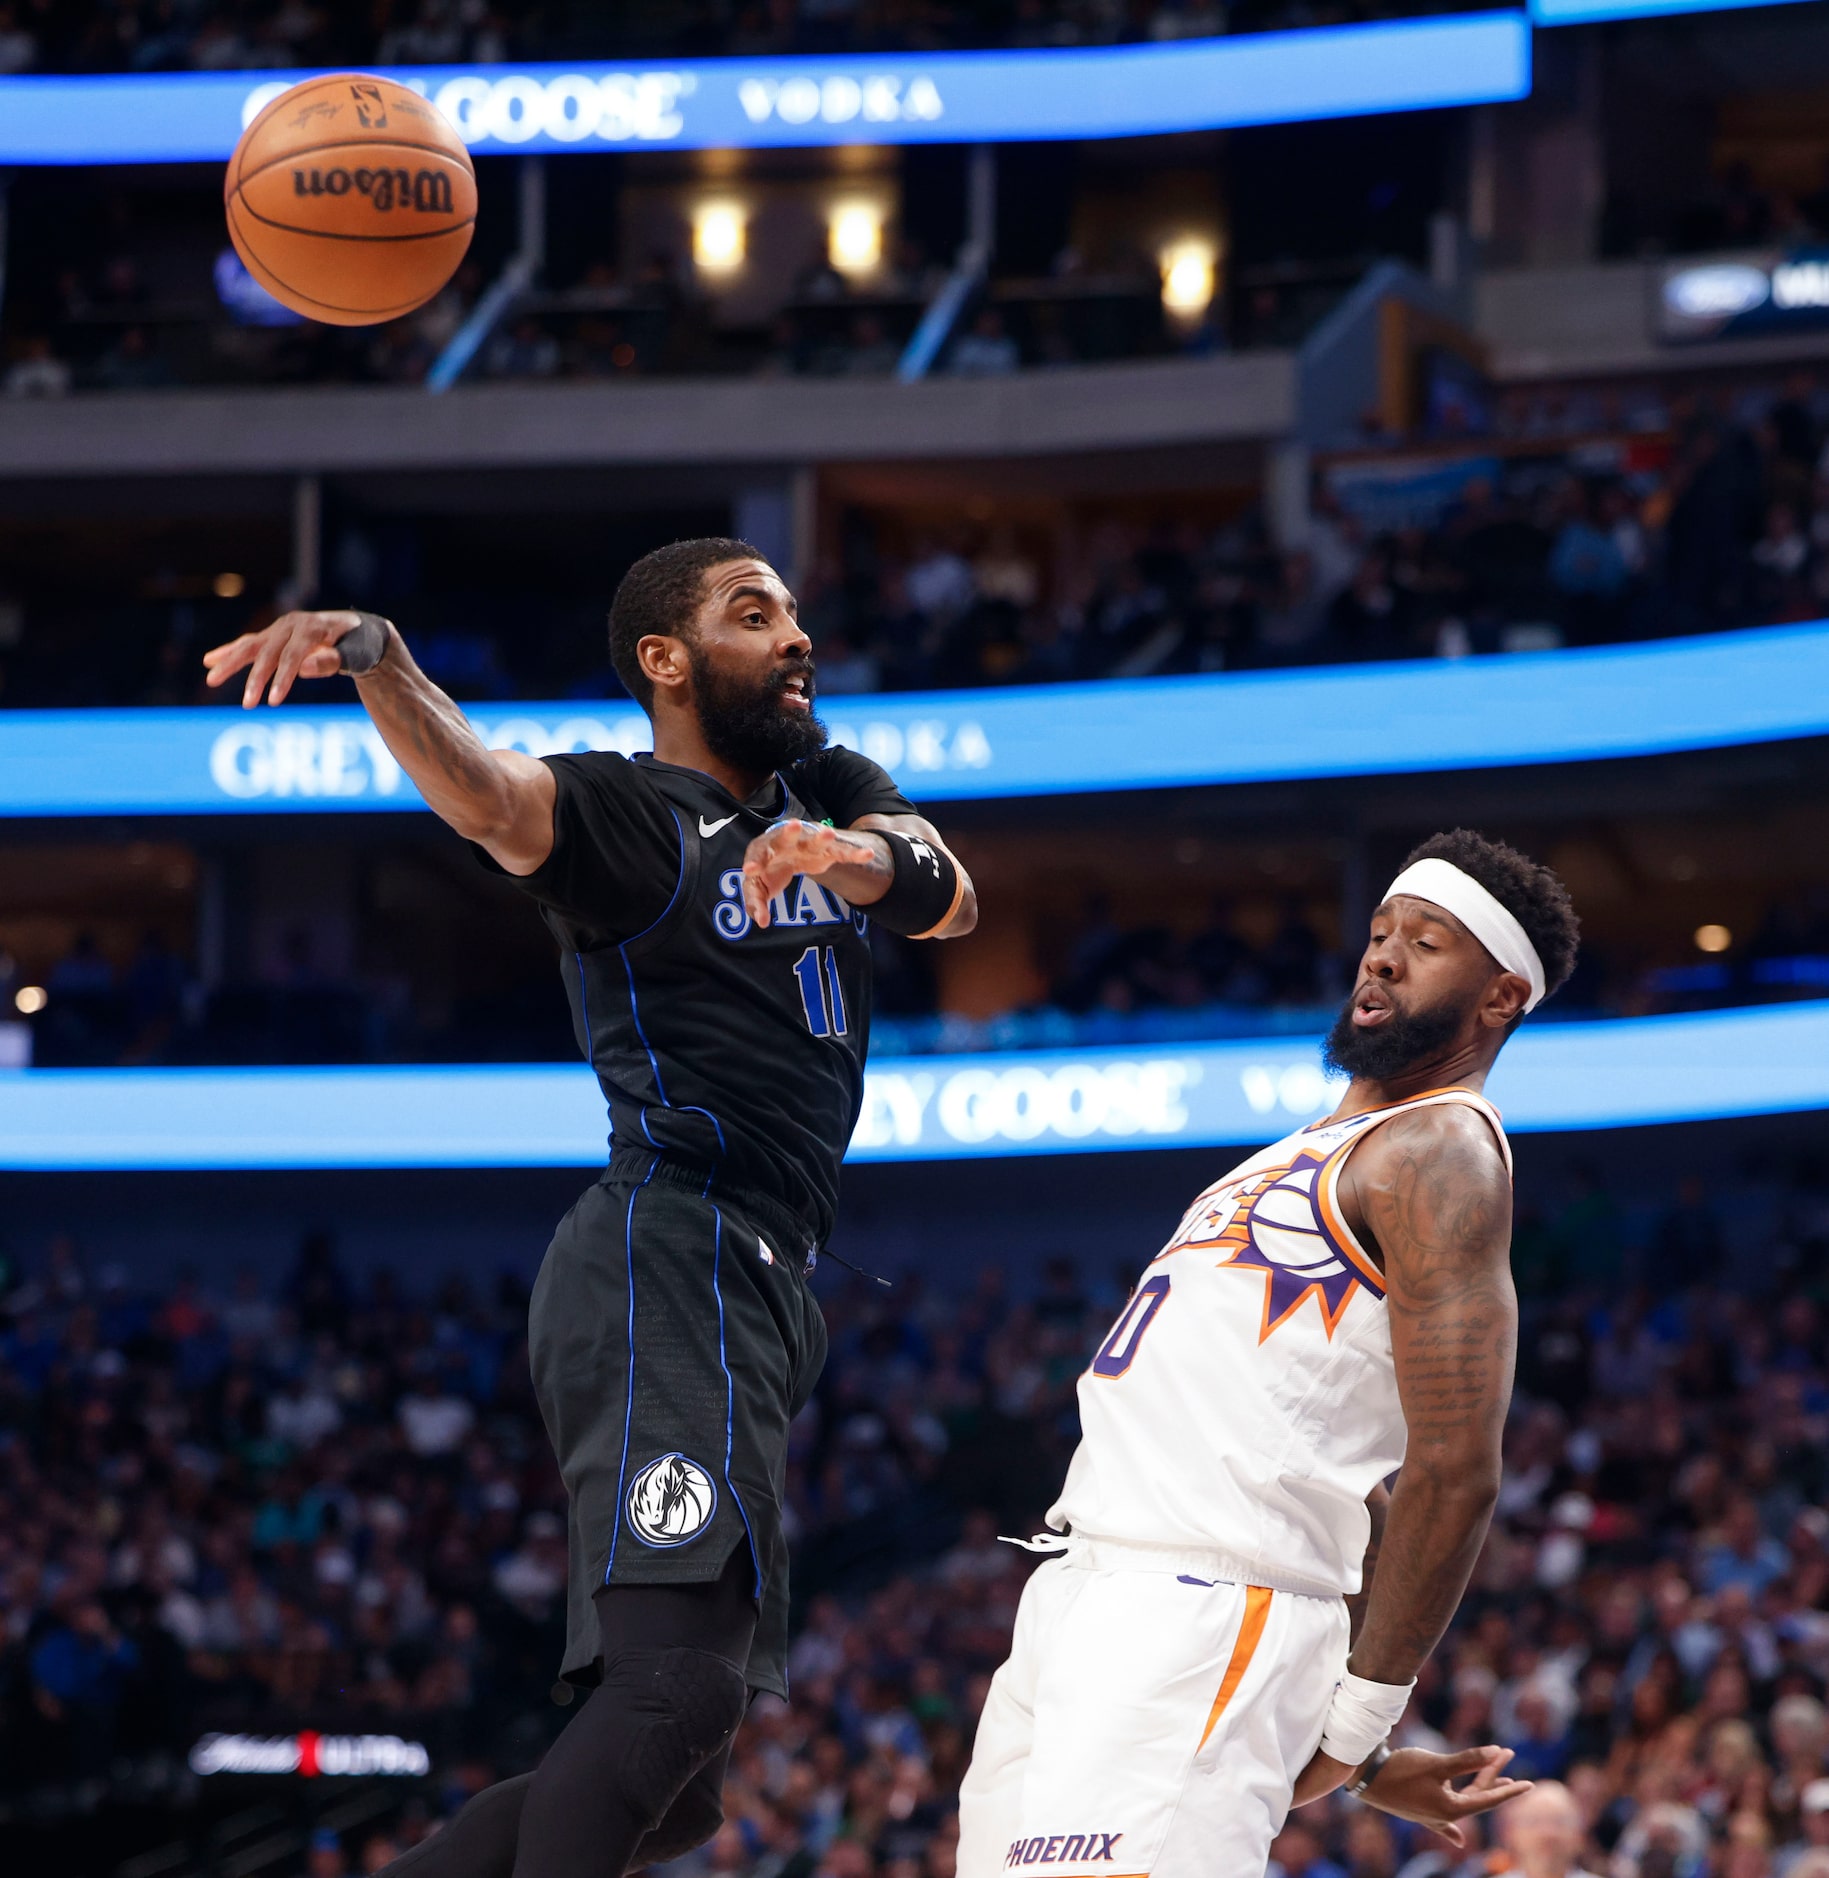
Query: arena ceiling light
point(1073, 93)
point(854, 237)
point(718, 236)
point(1187, 277)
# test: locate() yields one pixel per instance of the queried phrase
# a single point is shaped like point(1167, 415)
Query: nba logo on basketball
point(671, 1501)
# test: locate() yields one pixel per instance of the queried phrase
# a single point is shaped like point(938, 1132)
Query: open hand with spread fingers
point(798, 847)
point(1419, 1786)
point(296, 645)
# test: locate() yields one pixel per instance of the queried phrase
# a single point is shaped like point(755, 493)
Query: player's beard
point(749, 727)
point(1404, 1039)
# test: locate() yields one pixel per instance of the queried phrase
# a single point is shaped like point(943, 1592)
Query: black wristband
point(925, 890)
point(361, 650)
point(1369, 1770)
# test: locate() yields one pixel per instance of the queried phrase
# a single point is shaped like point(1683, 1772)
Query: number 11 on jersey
point(816, 968)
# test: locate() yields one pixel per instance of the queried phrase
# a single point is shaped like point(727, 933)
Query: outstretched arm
point(854, 861)
point(500, 799)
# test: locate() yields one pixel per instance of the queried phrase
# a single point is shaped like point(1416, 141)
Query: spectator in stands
point(1545, 1834)
point(1781, 556)
point(37, 372)
point(1365, 620)
point(79, 1669)
point(986, 350)
point(18, 47)
point(433, 1420)
point(1741, 1554)
point(324, 1857)
point(1587, 564)
point(84, 970)
point(1687, 1248)
point(526, 350)
point(1812, 1833)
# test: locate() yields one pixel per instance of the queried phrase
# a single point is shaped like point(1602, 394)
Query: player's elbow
point(509, 814)
point(1461, 1477)
point(965, 915)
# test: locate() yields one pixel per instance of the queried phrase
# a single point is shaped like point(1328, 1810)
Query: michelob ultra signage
point(309, 1754)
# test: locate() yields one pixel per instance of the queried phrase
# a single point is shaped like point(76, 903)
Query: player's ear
point(1505, 998)
point(663, 658)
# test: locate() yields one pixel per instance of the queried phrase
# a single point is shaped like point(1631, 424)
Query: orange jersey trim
point(1335, 1221)
point(1250, 1633)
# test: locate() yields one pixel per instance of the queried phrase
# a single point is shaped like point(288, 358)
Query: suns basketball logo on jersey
point(671, 1501)
point(1281, 1222)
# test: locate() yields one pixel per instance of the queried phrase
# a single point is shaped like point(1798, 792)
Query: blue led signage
point(1367, 720)
point(770, 103)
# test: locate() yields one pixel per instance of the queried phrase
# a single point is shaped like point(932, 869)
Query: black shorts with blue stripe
point(673, 1338)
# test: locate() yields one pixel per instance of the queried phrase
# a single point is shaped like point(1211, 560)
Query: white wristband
point(1361, 1715)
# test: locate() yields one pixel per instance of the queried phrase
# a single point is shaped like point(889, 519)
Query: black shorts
point(673, 1338)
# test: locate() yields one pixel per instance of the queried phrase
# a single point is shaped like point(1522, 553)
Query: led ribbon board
point(1366, 720)
point(1624, 1073)
point(771, 103)
point(1577, 12)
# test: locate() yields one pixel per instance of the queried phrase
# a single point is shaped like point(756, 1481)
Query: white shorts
point(1147, 1723)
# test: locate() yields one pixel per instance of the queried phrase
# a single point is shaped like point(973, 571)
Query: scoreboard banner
point(1758, 686)
point(773, 103)
point(1626, 1072)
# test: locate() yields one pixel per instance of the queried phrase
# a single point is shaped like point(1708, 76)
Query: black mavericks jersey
point(726, 1046)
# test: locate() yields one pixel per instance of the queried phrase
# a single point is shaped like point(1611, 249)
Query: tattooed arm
point(1432, 1190)
point(500, 799)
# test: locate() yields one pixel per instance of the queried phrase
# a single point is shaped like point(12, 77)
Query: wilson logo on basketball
point(671, 1501)
point(427, 192)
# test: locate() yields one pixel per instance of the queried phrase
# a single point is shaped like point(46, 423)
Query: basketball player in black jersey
point(710, 904)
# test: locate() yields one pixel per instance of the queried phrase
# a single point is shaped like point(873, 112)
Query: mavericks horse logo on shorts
point(671, 1501)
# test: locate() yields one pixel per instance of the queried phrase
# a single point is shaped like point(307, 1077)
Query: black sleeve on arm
point(850, 786)
point(615, 860)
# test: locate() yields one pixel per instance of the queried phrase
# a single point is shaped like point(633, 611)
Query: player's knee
point(673, 1710)
point(694, 1817)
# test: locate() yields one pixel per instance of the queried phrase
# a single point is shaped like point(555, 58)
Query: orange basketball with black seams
point(351, 199)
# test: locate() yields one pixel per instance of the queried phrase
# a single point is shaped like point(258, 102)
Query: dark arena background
point(1215, 443)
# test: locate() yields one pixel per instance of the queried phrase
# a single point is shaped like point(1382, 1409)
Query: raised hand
point(296, 645)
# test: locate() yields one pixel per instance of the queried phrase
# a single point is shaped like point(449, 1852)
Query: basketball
point(350, 199)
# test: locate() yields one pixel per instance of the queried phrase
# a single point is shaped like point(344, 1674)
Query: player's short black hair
point(660, 594)
point(1533, 895)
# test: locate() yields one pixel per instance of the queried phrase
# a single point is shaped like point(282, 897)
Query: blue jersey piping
point(628, 1412)
point(730, 1393)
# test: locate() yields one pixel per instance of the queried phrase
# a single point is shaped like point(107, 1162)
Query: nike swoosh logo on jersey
point(708, 829)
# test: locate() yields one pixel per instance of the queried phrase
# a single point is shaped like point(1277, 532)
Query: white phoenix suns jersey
point(1245, 1402)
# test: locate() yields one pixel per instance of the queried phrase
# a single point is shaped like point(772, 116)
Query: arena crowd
point(1586, 515)
point(171, 35)
point(329, 1503)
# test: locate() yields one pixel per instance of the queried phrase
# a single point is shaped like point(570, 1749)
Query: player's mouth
point(1371, 1007)
point(797, 691)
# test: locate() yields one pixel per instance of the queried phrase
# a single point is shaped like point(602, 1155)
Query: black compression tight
point(575, 1816)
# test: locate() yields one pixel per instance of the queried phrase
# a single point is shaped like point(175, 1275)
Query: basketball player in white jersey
point(1213, 1645)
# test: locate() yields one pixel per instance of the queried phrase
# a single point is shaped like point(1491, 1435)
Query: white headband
point(1443, 884)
